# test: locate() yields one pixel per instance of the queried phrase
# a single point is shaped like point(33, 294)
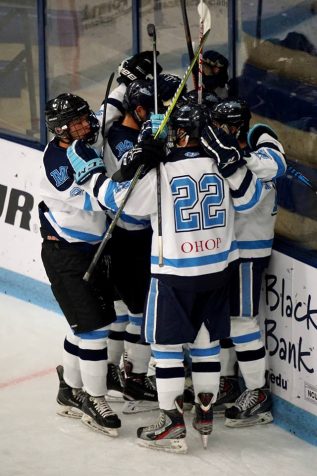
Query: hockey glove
point(167, 85)
point(138, 66)
point(148, 152)
point(149, 128)
point(255, 134)
point(224, 149)
point(84, 160)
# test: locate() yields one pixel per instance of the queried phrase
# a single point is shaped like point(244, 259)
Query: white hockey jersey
point(255, 231)
point(67, 211)
point(197, 212)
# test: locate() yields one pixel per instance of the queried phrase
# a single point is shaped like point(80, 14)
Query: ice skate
point(69, 399)
point(203, 419)
point(139, 392)
point(99, 416)
point(229, 391)
point(168, 433)
point(115, 384)
point(251, 408)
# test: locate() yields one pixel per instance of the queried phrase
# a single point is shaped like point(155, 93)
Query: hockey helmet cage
point(63, 109)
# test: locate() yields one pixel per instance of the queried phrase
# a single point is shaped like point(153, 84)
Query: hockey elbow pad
point(255, 134)
point(85, 161)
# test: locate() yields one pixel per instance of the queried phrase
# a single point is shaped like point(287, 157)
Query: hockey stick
point(137, 174)
point(204, 24)
point(105, 107)
point(301, 178)
point(152, 34)
point(189, 42)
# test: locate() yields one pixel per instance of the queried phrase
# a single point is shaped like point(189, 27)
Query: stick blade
point(204, 14)
point(151, 30)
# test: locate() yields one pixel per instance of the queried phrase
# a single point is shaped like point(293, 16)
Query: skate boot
point(99, 416)
point(139, 392)
point(251, 408)
point(168, 433)
point(229, 391)
point(115, 384)
point(69, 399)
point(203, 419)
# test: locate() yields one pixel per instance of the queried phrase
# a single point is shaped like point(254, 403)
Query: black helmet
point(66, 107)
point(139, 93)
point(209, 100)
point(234, 112)
point(190, 117)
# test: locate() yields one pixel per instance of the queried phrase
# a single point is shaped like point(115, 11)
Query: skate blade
point(187, 407)
point(204, 439)
point(139, 406)
point(88, 421)
point(220, 411)
point(114, 396)
point(169, 446)
point(69, 412)
point(260, 419)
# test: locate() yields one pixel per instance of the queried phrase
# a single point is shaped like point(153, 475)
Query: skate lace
point(160, 422)
point(102, 407)
point(117, 376)
point(79, 395)
point(148, 383)
point(247, 399)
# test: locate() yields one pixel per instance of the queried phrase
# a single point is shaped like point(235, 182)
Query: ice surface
point(36, 441)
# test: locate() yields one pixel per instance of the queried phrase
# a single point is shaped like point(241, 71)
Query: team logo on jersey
point(76, 191)
point(191, 154)
point(60, 175)
point(122, 186)
point(123, 147)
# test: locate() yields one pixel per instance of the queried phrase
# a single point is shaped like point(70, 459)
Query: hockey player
point(72, 225)
point(130, 256)
point(139, 66)
point(264, 156)
point(188, 298)
point(215, 73)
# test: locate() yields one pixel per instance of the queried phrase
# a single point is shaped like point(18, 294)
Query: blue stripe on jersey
point(198, 261)
point(136, 320)
point(93, 335)
point(151, 311)
point(87, 204)
point(161, 355)
point(205, 352)
point(246, 286)
point(255, 198)
point(134, 221)
point(122, 318)
point(281, 166)
point(80, 235)
point(246, 338)
point(254, 245)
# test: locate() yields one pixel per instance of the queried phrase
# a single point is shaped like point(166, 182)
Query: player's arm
point(266, 154)
point(247, 190)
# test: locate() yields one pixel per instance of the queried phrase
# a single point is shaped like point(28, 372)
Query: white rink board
point(289, 319)
point(19, 196)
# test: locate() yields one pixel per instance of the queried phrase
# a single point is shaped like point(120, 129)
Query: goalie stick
point(189, 42)
point(139, 171)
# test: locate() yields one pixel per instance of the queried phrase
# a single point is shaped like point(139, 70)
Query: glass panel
point(86, 41)
point(277, 64)
point(19, 93)
point(170, 33)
